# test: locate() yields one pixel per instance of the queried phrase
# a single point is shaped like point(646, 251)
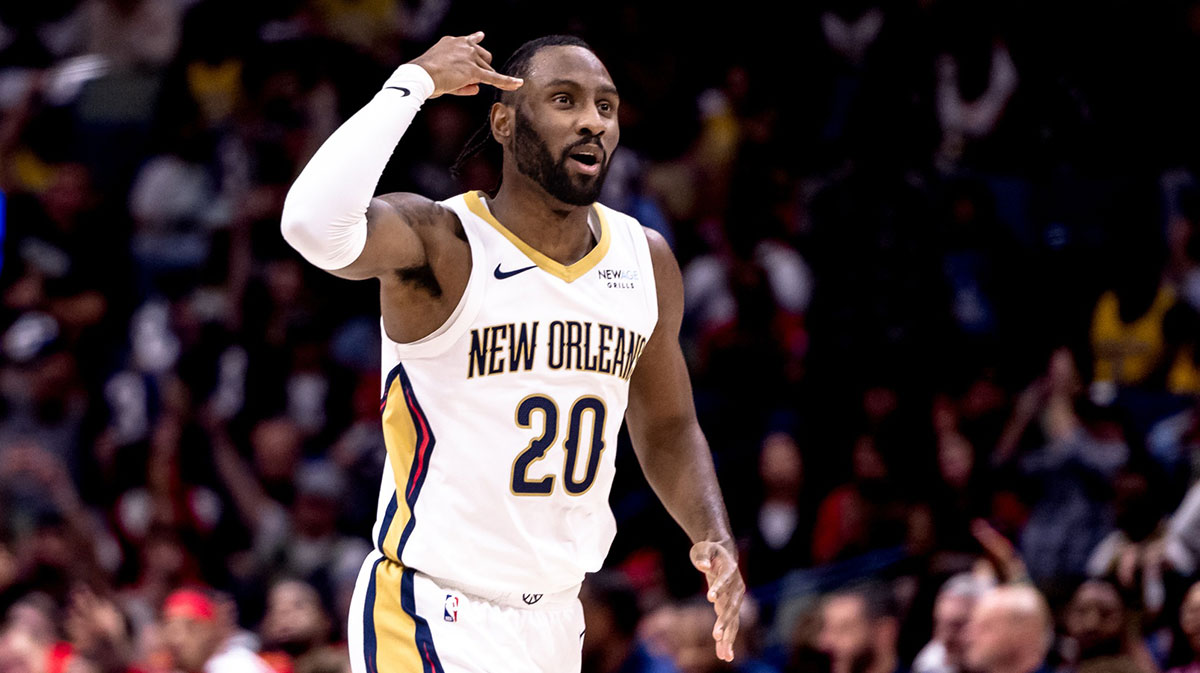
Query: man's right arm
point(329, 215)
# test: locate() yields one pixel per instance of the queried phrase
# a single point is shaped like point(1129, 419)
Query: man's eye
point(562, 98)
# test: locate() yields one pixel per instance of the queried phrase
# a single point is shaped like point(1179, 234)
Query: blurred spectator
point(99, 633)
point(851, 36)
point(1072, 471)
point(371, 26)
point(198, 638)
point(610, 643)
point(1189, 628)
point(132, 33)
point(30, 639)
point(296, 628)
point(1142, 335)
point(780, 538)
point(1181, 543)
point(859, 631)
point(57, 544)
point(624, 190)
point(41, 390)
point(1134, 554)
point(959, 496)
point(360, 451)
point(862, 515)
point(1183, 245)
point(1127, 332)
point(693, 642)
point(176, 205)
point(951, 612)
point(1010, 631)
point(167, 502)
point(164, 562)
point(61, 255)
point(710, 282)
point(1103, 636)
point(966, 116)
point(292, 511)
point(746, 317)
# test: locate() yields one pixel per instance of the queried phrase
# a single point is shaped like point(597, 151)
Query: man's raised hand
point(725, 591)
point(458, 65)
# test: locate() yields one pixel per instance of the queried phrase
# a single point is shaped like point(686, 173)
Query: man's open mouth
point(587, 159)
point(588, 154)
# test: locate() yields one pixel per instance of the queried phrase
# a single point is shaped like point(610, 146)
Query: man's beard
point(535, 161)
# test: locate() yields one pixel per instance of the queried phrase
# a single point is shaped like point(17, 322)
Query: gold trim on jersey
point(567, 272)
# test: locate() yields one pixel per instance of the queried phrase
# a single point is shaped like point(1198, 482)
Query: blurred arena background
point(942, 267)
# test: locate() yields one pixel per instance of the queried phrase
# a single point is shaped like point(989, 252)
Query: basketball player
point(518, 331)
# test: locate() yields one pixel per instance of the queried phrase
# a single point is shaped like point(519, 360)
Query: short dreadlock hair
point(517, 65)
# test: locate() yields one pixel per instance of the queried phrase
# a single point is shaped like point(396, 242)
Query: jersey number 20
point(521, 485)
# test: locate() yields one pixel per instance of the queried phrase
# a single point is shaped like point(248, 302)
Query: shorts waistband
point(531, 600)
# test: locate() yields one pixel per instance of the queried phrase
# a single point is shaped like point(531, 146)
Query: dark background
point(941, 261)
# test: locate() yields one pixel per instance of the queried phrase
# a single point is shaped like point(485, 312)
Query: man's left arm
point(674, 454)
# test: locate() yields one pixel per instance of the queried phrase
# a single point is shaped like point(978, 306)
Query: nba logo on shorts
point(451, 608)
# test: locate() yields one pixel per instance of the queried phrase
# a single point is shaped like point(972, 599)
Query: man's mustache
point(594, 141)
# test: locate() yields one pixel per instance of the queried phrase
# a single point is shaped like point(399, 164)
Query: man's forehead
point(568, 63)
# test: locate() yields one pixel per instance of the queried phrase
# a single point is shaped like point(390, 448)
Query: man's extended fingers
point(728, 636)
point(725, 591)
point(722, 583)
point(727, 605)
point(725, 633)
point(726, 629)
point(468, 90)
point(476, 37)
point(489, 76)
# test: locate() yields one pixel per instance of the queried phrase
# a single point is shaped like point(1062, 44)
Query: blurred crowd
point(942, 275)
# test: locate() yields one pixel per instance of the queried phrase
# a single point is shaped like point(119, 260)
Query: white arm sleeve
point(325, 212)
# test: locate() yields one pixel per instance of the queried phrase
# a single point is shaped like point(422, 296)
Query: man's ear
point(501, 117)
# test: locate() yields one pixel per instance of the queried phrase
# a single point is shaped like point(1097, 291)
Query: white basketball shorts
point(402, 621)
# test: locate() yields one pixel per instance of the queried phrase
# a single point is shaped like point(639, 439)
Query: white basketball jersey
point(501, 427)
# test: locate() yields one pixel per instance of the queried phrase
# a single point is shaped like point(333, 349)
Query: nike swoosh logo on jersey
point(501, 275)
point(400, 89)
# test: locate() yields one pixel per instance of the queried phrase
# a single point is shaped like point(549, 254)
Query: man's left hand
point(718, 562)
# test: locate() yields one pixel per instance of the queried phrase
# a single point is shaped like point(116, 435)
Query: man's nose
point(590, 123)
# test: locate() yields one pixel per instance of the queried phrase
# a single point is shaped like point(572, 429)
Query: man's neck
point(559, 231)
